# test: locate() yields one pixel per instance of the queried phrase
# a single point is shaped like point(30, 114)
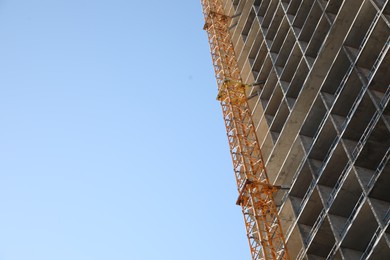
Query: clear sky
point(112, 145)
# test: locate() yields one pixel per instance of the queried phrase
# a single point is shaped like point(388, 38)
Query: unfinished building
point(320, 102)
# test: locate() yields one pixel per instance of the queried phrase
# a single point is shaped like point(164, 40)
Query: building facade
point(320, 71)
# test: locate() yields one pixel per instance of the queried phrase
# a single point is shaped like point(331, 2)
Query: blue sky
point(112, 145)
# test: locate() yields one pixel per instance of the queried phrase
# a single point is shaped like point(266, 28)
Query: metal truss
point(262, 223)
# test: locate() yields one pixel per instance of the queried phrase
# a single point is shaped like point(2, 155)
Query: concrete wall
point(323, 118)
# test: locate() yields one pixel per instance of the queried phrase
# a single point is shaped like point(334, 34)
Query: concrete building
point(321, 108)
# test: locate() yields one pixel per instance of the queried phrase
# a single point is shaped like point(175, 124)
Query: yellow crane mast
point(261, 218)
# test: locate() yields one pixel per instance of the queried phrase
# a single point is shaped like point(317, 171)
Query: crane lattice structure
point(262, 223)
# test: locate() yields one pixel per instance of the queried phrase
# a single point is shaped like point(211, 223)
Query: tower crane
point(255, 192)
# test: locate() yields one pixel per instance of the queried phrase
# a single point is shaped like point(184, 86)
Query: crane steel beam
point(261, 218)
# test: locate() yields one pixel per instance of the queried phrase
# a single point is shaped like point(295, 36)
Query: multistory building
point(320, 72)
